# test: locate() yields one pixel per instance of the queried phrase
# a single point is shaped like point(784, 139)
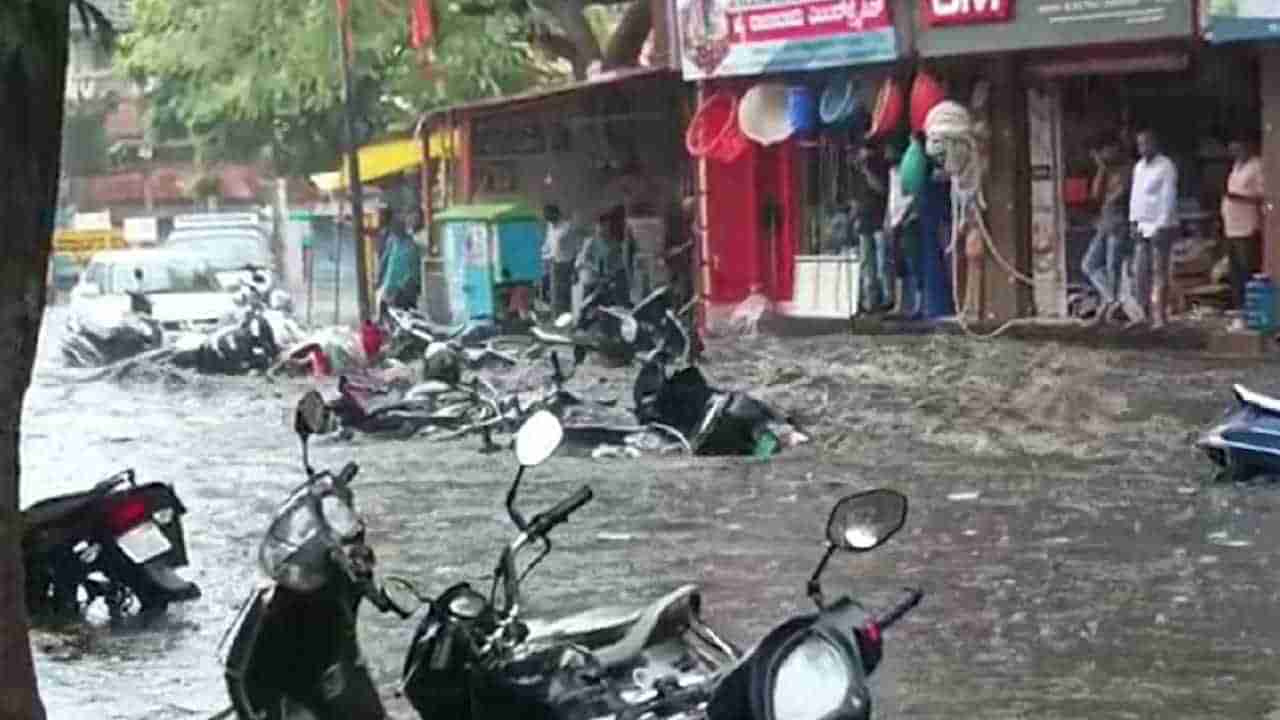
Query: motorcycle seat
point(56, 508)
point(1258, 400)
point(616, 637)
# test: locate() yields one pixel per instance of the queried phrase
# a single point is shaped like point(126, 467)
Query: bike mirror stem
point(516, 517)
point(814, 587)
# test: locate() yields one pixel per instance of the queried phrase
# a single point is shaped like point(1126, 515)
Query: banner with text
point(958, 27)
point(1229, 21)
point(721, 38)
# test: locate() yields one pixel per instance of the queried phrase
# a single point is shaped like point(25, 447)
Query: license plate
point(143, 543)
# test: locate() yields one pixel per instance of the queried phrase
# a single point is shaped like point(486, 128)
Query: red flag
point(421, 27)
point(344, 27)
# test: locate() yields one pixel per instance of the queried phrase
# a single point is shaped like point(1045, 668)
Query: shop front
point(606, 152)
point(1074, 76)
point(785, 92)
point(1250, 30)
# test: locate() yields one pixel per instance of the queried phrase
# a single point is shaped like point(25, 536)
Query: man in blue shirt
point(399, 268)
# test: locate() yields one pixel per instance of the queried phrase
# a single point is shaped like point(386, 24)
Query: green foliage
point(267, 73)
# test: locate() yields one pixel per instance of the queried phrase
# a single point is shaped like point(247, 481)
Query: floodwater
point(1077, 560)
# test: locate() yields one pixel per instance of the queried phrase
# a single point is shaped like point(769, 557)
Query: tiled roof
point(117, 11)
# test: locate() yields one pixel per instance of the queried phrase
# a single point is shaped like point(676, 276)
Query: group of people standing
point(902, 237)
point(1138, 223)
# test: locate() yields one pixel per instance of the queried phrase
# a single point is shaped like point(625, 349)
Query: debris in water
point(970, 532)
point(1220, 537)
point(1188, 490)
point(618, 537)
point(964, 496)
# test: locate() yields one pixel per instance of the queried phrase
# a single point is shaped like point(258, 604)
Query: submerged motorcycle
point(118, 542)
point(1245, 443)
point(92, 342)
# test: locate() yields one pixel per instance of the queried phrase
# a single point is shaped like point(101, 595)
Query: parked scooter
point(620, 332)
point(1245, 443)
point(119, 541)
point(475, 657)
point(251, 340)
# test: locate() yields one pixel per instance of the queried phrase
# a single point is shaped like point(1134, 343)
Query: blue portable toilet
point(489, 251)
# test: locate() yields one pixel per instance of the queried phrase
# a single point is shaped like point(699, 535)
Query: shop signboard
point(958, 27)
point(721, 38)
point(1227, 21)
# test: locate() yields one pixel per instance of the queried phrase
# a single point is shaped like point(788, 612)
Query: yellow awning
point(388, 158)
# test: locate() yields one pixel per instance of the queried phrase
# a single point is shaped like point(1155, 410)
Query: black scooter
point(119, 541)
point(476, 657)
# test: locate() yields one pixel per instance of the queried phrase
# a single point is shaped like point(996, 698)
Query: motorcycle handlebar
point(913, 598)
point(544, 522)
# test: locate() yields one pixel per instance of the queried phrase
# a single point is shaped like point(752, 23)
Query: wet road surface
point(1078, 562)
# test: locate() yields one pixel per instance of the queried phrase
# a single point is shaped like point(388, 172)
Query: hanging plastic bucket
point(838, 98)
point(802, 109)
point(926, 93)
point(713, 132)
point(763, 115)
point(888, 110)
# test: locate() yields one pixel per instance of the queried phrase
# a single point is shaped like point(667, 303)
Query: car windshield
point(225, 251)
point(160, 276)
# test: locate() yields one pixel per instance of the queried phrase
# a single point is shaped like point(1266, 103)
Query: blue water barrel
point(1260, 303)
point(802, 109)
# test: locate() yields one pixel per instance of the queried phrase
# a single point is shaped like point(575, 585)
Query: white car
point(184, 291)
point(227, 249)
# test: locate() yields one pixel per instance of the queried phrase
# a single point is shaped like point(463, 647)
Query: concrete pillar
point(1008, 201)
point(1269, 79)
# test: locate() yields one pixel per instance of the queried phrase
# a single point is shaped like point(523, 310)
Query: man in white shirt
point(1153, 222)
point(1242, 214)
point(558, 252)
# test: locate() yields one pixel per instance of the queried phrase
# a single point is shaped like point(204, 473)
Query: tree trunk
point(628, 38)
point(573, 21)
point(32, 82)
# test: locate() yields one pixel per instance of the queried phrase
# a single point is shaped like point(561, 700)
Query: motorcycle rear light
point(126, 515)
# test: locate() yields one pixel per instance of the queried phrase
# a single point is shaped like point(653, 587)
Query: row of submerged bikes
point(292, 649)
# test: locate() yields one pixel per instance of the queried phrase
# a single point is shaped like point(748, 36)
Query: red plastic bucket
point(713, 132)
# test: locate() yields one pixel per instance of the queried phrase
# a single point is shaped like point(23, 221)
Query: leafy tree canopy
point(232, 74)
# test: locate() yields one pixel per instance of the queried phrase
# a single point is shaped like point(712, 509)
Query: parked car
point(184, 290)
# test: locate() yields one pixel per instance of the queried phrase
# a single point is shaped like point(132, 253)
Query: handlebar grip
point(544, 522)
point(348, 473)
point(914, 596)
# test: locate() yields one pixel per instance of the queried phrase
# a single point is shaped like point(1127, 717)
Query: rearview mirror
point(538, 438)
point(311, 416)
point(863, 521)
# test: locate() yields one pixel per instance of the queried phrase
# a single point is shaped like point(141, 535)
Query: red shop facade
point(771, 172)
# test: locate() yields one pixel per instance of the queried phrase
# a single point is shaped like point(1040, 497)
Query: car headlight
point(812, 682)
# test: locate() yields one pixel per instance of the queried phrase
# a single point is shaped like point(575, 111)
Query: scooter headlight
point(813, 682)
point(294, 551)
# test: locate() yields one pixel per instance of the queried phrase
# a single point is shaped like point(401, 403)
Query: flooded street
point(1077, 561)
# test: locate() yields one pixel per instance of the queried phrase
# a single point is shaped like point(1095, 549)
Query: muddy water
point(1078, 564)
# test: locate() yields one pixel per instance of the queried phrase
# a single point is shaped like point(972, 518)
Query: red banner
point(810, 19)
point(421, 27)
point(940, 13)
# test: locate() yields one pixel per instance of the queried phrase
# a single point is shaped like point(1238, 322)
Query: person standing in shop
point(870, 192)
point(902, 234)
point(558, 252)
point(1153, 221)
point(1242, 214)
point(1110, 247)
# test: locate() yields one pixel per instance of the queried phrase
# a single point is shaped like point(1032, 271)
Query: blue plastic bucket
point(1260, 303)
point(802, 109)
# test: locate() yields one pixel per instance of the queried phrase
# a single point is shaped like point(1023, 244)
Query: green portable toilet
point(489, 251)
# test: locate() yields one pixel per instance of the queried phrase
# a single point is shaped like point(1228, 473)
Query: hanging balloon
point(926, 92)
point(888, 110)
point(915, 168)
